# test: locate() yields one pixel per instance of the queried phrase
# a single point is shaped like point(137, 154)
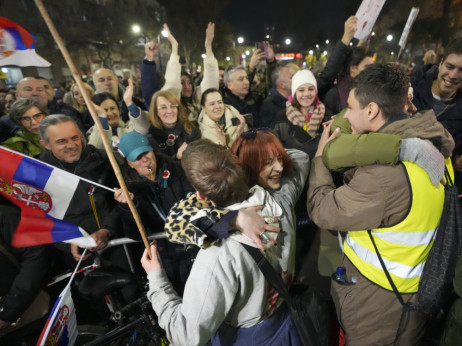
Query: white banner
point(367, 14)
point(407, 29)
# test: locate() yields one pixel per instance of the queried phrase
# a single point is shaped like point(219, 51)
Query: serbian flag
point(17, 46)
point(61, 326)
point(43, 193)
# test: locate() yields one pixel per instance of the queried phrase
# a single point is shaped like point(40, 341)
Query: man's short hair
point(385, 85)
point(357, 54)
point(230, 71)
point(42, 78)
point(277, 73)
point(22, 105)
point(454, 47)
point(215, 172)
point(52, 120)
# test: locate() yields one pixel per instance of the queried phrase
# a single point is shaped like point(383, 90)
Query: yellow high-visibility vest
point(404, 247)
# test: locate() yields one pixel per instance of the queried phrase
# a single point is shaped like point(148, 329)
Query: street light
point(325, 52)
point(240, 40)
point(164, 33)
point(247, 52)
point(317, 46)
point(228, 58)
point(327, 41)
point(136, 29)
point(288, 41)
point(203, 56)
point(389, 38)
point(311, 52)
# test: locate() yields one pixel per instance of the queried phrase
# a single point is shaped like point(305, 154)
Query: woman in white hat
point(299, 126)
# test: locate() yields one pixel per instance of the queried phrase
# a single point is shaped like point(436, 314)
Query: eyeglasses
point(36, 117)
point(166, 108)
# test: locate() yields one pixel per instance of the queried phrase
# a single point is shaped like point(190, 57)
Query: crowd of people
point(221, 162)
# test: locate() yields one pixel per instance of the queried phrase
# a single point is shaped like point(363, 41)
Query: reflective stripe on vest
point(404, 247)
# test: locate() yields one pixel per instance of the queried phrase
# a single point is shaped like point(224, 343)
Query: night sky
point(306, 22)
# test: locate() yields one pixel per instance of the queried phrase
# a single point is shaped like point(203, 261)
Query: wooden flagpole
point(107, 146)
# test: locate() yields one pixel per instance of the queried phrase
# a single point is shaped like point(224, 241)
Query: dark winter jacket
point(149, 83)
point(295, 137)
point(272, 105)
point(251, 104)
point(451, 118)
point(19, 286)
point(164, 194)
point(159, 139)
point(93, 165)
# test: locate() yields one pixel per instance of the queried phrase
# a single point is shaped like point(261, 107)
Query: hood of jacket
point(423, 125)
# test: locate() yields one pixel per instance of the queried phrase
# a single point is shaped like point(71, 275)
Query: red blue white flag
point(17, 46)
point(61, 326)
point(43, 193)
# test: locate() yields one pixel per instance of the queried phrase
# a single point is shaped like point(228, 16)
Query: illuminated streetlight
point(267, 36)
point(247, 52)
point(389, 38)
point(317, 46)
point(325, 52)
point(228, 58)
point(288, 41)
point(164, 33)
point(203, 56)
point(240, 40)
point(243, 56)
point(351, 43)
point(327, 41)
point(311, 52)
point(136, 28)
point(373, 33)
point(392, 53)
point(4, 70)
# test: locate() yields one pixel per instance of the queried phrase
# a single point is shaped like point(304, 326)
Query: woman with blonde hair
point(170, 130)
point(79, 103)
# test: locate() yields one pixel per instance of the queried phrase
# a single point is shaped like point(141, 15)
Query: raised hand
point(351, 26)
point(255, 59)
point(209, 35)
point(128, 94)
point(269, 51)
point(171, 38)
point(150, 50)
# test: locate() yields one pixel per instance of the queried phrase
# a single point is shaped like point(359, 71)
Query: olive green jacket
point(349, 150)
point(24, 142)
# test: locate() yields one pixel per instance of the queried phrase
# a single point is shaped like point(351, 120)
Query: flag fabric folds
point(17, 46)
point(43, 193)
point(61, 326)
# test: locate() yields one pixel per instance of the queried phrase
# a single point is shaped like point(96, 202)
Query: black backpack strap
point(273, 278)
point(387, 274)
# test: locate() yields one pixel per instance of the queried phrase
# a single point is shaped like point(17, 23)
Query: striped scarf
point(311, 122)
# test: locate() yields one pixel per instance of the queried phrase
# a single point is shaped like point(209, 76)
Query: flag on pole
point(17, 46)
point(43, 193)
point(61, 326)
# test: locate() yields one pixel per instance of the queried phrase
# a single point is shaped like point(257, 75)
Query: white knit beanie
point(303, 77)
